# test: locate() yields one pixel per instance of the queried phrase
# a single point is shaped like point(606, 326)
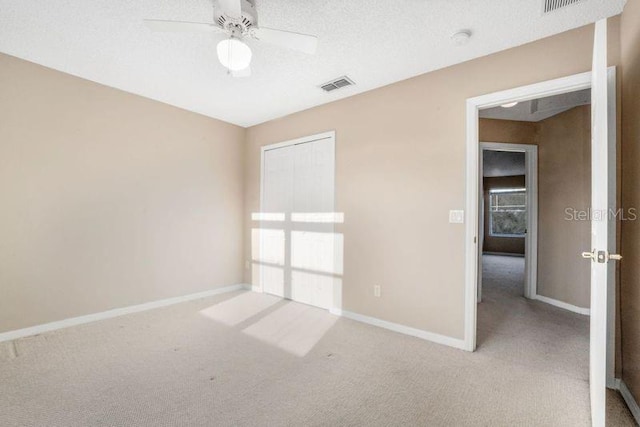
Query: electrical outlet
point(456, 217)
point(376, 291)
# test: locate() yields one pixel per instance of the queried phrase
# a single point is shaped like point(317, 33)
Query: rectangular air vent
point(552, 5)
point(337, 84)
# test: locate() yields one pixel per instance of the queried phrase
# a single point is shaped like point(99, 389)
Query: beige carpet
point(247, 359)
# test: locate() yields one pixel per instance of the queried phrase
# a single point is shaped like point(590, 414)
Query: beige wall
point(509, 245)
point(508, 131)
point(630, 265)
point(395, 146)
point(109, 199)
point(564, 181)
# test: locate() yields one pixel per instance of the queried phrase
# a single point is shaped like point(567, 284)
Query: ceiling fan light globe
point(234, 54)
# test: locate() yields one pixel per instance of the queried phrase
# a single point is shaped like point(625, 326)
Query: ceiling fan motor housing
point(248, 20)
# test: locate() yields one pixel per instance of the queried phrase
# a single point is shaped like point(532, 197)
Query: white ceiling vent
point(553, 5)
point(337, 84)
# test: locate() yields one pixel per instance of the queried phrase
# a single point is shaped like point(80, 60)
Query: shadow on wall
point(299, 257)
point(295, 256)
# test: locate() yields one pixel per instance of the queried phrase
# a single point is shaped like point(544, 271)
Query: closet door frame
point(330, 136)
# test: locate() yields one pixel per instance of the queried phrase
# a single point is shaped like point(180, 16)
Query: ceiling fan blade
point(296, 41)
point(231, 8)
point(242, 73)
point(182, 26)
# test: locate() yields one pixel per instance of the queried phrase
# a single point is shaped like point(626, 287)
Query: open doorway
point(508, 210)
point(535, 195)
point(533, 174)
point(599, 328)
point(535, 178)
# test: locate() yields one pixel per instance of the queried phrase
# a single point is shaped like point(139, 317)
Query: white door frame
point(531, 238)
point(524, 93)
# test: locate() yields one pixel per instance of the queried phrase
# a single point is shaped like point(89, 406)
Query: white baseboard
point(407, 330)
point(630, 401)
point(566, 306)
point(60, 324)
point(613, 384)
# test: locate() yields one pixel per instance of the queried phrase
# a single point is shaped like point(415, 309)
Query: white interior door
point(298, 251)
point(601, 230)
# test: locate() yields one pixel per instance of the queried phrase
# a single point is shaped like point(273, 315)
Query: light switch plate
point(456, 217)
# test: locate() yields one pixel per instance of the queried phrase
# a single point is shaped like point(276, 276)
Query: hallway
point(536, 335)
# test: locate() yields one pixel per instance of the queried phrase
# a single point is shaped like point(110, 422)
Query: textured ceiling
point(539, 109)
point(372, 41)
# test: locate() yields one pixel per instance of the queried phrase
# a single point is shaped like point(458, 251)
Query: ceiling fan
point(239, 21)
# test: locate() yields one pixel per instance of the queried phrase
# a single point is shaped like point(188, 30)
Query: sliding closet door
point(313, 185)
point(312, 237)
point(270, 239)
point(297, 247)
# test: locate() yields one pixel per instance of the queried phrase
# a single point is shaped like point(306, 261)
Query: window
point(508, 212)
